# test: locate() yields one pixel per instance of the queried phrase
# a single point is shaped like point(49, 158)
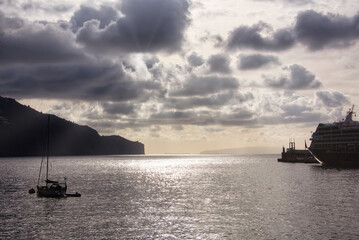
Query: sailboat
point(50, 188)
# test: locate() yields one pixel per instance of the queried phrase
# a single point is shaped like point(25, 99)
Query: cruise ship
point(337, 144)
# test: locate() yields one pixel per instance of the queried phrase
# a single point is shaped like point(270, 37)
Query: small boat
point(50, 188)
point(73, 194)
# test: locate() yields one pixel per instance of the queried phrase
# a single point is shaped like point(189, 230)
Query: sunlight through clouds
point(197, 75)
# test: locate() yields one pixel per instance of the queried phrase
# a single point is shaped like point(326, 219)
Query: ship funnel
point(348, 118)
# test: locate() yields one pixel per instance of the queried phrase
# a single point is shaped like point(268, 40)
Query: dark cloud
point(255, 61)
point(244, 97)
point(170, 116)
point(147, 26)
point(151, 61)
point(90, 80)
point(318, 31)
point(7, 23)
point(118, 108)
point(195, 60)
point(332, 98)
point(241, 114)
point(36, 43)
point(129, 66)
point(200, 86)
point(298, 78)
point(105, 15)
point(250, 38)
point(219, 63)
point(42, 60)
point(239, 117)
point(212, 101)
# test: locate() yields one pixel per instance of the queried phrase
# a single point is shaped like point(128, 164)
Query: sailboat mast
point(48, 147)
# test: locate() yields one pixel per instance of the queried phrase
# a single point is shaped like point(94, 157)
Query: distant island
point(23, 132)
point(245, 150)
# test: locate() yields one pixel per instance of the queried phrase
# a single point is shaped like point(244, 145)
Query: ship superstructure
point(337, 143)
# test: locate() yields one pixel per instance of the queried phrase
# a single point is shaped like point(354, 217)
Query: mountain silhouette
point(23, 132)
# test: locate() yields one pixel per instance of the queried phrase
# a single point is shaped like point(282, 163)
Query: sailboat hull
point(45, 191)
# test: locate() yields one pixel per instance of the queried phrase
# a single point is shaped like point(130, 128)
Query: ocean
point(180, 197)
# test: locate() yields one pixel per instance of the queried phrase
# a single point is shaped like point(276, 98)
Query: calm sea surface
point(180, 197)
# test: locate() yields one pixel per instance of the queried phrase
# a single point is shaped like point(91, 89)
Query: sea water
point(180, 197)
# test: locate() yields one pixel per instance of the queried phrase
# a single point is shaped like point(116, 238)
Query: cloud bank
point(295, 78)
point(147, 26)
point(134, 63)
point(251, 38)
point(317, 31)
point(255, 61)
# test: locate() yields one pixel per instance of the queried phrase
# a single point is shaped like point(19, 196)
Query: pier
point(296, 156)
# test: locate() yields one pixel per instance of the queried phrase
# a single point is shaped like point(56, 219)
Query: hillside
point(23, 132)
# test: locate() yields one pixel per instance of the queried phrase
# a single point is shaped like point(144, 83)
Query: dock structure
point(296, 156)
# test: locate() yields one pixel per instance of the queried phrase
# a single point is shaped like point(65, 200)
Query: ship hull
point(339, 159)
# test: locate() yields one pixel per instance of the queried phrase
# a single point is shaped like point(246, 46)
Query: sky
point(185, 76)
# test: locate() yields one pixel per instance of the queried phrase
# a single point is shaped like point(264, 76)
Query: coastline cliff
point(23, 132)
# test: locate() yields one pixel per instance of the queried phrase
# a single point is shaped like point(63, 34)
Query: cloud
point(255, 61)
point(90, 80)
point(245, 37)
point(288, 108)
point(36, 43)
point(212, 101)
point(105, 15)
point(298, 78)
point(244, 97)
point(295, 109)
point(170, 116)
point(307, 117)
point(151, 61)
point(195, 60)
point(42, 60)
point(7, 23)
point(200, 86)
point(295, 2)
point(312, 29)
point(219, 63)
point(298, 2)
point(85, 60)
point(177, 127)
point(147, 26)
point(49, 7)
point(332, 98)
point(318, 31)
point(118, 108)
point(241, 117)
point(238, 117)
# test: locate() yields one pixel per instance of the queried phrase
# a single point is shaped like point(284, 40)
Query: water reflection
point(185, 197)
